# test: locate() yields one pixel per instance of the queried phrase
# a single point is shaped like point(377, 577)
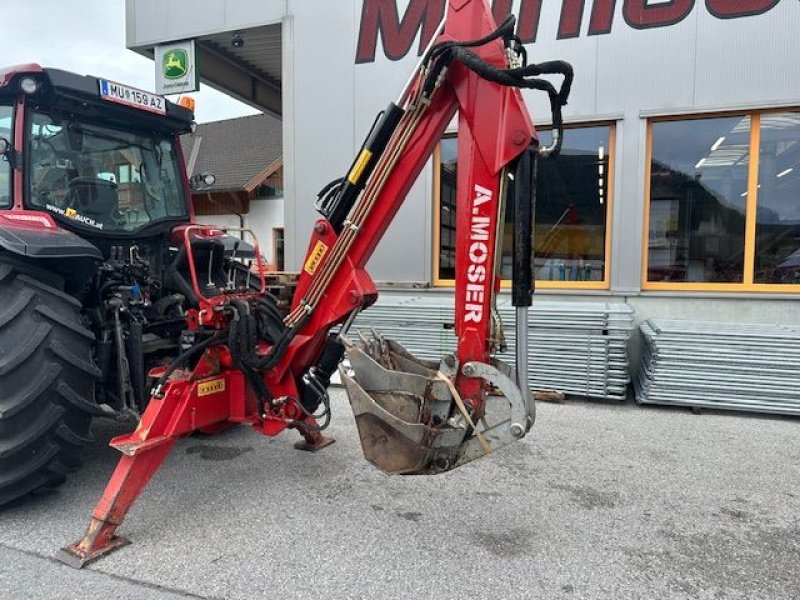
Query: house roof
point(241, 153)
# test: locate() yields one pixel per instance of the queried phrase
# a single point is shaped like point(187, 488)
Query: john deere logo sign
point(176, 68)
point(175, 63)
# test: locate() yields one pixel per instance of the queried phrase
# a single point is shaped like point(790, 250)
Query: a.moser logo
point(175, 63)
point(398, 33)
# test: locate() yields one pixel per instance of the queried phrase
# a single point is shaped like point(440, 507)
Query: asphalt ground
point(599, 501)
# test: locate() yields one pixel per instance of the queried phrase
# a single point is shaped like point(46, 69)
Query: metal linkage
point(415, 108)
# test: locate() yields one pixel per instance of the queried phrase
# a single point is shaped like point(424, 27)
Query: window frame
point(748, 283)
point(604, 284)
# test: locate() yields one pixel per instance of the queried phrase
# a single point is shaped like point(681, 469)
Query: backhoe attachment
point(410, 417)
point(246, 362)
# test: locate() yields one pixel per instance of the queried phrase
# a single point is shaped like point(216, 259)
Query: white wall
point(265, 215)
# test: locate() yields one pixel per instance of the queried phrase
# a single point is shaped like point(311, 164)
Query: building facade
point(678, 190)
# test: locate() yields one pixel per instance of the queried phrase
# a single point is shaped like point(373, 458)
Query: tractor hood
point(37, 235)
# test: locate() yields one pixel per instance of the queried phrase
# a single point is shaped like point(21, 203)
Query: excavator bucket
point(407, 411)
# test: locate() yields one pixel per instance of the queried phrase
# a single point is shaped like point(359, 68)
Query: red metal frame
point(494, 128)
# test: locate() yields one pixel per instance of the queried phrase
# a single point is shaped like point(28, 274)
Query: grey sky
point(88, 37)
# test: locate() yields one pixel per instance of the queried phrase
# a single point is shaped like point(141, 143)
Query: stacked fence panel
point(574, 347)
point(720, 365)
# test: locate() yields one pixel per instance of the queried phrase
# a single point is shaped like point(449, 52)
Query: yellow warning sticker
point(316, 256)
point(358, 168)
point(215, 386)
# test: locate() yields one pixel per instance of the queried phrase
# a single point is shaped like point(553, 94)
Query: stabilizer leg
point(313, 440)
point(129, 479)
point(178, 413)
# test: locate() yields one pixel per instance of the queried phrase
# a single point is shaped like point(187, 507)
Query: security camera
point(237, 41)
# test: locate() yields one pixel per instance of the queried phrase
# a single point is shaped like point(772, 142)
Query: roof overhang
point(249, 71)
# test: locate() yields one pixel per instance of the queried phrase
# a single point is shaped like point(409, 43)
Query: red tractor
point(112, 302)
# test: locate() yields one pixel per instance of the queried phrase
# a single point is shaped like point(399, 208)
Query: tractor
point(94, 201)
point(113, 302)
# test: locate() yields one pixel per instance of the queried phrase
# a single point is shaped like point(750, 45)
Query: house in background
point(245, 156)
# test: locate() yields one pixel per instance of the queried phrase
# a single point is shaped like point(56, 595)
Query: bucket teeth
point(401, 407)
point(404, 408)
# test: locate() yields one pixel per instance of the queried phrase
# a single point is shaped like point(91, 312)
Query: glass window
point(448, 155)
point(278, 247)
point(777, 258)
point(102, 178)
point(571, 206)
point(6, 116)
point(698, 195)
point(571, 209)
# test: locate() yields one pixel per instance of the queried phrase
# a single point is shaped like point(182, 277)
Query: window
point(277, 249)
point(698, 188)
point(777, 258)
point(6, 117)
point(573, 198)
point(723, 203)
point(102, 178)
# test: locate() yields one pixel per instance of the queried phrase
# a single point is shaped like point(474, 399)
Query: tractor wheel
point(47, 379)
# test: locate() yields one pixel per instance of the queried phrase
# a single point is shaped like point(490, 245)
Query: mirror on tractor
point(5, 146)
point(202, 181)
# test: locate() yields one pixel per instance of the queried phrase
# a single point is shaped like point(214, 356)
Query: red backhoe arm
point(413, 416)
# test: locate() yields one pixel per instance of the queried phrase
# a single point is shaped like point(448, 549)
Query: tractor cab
point(97, 158)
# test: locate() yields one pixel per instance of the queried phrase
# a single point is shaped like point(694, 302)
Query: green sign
point(175, 63)
point(176, 68)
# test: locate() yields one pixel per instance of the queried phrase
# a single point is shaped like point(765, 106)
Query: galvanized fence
point(720, 365)
point(577, 348)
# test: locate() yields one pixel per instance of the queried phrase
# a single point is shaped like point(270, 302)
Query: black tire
point(47, 379)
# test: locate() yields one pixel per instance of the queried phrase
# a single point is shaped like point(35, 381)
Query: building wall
point(650, 59)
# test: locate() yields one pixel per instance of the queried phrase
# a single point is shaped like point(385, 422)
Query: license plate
point(130, 96)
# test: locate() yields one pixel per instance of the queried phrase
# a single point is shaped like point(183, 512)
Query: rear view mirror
point(5, 146)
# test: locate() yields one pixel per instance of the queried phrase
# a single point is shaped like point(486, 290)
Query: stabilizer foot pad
point(72, 557)
point(306, 447)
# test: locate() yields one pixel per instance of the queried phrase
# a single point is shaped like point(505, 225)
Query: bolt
point(468, 370)
point(320, 228)
point(518, 138)
point(355, 297)
point(517, 430)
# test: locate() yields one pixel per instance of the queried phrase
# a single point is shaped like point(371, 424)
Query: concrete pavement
point(599, 501)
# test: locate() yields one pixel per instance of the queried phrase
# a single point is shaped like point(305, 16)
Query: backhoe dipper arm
point(494, 129)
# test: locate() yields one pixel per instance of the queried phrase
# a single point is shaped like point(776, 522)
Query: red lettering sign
point(569, 25)
point(422, 17)
point(528, 22)
point(602, 17)
point(639, 14)
point(397, 35)
point(731, 9)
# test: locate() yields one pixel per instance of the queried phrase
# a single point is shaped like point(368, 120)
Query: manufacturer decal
point(315, 258)
point(175, 63)
point(215, 386)
point(73, 214)
point(478, 254)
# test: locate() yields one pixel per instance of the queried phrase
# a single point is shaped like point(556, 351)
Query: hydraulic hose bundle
point(526, 76)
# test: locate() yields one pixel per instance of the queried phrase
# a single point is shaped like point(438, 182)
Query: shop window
point(723, 203)
point(698, 189)
point(573, 199)
point(777, 256)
